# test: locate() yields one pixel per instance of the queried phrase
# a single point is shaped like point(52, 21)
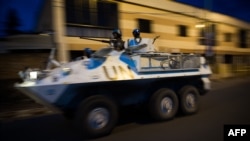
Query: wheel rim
point(166, 105)
point(190, 100)
point(98, 118)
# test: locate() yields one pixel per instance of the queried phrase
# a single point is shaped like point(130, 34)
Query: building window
point(242, 38)
point(228, 59)
point(77, 11)
point(228, 37)
point(144, 25)
point(91, 18)
point(182, 30)
point(87, 12)
point(208, 35)
point(107, 14)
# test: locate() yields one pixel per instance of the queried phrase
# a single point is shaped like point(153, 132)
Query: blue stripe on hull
point(169, 71)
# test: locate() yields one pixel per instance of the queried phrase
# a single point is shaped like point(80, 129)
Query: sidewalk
point(220, 83)
point(218, 77)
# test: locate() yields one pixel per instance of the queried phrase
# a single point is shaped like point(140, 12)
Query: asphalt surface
point(227, 103)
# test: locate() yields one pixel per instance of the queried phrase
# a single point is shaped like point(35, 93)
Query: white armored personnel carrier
point(95, 87)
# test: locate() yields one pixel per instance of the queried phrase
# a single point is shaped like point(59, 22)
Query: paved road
point(227, 103)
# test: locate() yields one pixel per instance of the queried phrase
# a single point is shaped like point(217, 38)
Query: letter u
point(108, 74)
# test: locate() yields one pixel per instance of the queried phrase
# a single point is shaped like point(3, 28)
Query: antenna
point(155, 39)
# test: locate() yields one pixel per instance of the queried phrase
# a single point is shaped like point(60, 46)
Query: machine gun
point(99, 40)
point(117, 44)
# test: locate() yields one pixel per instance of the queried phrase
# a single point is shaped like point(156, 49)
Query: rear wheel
point(189, 99)
point(97, 116)
point(163, 104)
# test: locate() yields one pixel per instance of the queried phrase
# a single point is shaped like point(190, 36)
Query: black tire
point(69, 114)
point(189, 100)
point(97, 116)
point(163, 104)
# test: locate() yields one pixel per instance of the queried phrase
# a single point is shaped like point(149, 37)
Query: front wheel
point(97, 116)
point(189, 99)
point(163, 105)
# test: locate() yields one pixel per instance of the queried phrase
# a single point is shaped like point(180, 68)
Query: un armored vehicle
point(94, 88)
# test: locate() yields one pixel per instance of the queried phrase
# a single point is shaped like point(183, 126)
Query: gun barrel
point(99, 40)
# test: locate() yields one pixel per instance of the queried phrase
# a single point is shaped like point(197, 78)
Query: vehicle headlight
point(33, 74)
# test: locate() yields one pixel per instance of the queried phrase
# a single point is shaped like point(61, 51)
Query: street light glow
point(200, 25)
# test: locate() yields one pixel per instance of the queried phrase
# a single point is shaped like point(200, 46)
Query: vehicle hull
point(125, 92)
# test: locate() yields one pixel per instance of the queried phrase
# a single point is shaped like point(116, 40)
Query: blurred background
point(29, 29)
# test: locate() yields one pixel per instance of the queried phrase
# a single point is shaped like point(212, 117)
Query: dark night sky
point(239, 9)
point(27, 11)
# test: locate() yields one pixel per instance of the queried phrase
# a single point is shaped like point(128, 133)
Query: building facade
point(224, 40)
point(182, 29)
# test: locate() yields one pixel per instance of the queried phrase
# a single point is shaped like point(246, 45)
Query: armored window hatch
point(154, 62)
